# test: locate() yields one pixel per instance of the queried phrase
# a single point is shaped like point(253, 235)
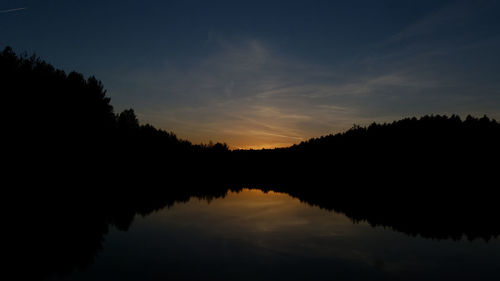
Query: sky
point(263, 74)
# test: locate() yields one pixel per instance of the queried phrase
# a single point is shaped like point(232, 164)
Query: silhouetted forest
point(68, 119)
point(74, 167)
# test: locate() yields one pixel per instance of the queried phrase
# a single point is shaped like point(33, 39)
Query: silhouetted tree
point(127, 120)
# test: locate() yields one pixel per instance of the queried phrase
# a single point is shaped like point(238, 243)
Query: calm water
point(253, 235)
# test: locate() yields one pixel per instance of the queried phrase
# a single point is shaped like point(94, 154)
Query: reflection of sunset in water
point(262, 219)
point(253, 235)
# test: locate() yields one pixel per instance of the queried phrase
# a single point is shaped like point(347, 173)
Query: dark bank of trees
point(64, 123)
point(68, 119)
point(411, 137)
point(62, 128)
point(430, 141)
point(45, 104)
point(424, 151)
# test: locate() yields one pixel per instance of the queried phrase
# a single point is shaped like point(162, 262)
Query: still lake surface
point(252, 235)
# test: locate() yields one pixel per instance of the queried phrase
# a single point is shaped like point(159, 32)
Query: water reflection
point(252, 235)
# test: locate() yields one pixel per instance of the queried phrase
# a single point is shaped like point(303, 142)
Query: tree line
point(69, 119)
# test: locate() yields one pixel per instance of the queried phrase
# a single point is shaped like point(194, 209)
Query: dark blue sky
point(271, 73)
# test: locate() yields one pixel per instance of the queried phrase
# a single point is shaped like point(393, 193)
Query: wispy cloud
point(246, 94)
point(250, 95)
point(12, 10)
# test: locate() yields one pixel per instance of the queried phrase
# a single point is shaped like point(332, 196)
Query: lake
point(253, 235)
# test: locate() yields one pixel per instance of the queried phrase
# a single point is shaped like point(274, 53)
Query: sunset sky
point(271, 73)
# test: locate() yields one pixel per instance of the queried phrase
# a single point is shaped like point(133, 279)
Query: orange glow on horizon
point(259, 147)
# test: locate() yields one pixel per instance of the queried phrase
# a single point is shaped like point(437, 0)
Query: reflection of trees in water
point(58, 231)
point(55, 236)
point(434, 216)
